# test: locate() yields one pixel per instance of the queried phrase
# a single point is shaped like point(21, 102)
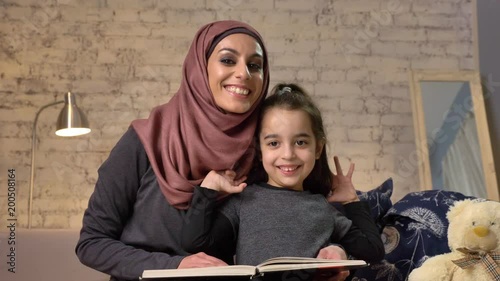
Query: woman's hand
point(342, 188)
point(224, 181)
point(200, 260)
point(333, 253)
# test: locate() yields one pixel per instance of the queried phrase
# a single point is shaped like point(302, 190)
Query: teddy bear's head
point(474, 225)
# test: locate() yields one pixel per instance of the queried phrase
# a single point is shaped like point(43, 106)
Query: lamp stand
point(33, 145)
point(71, 122)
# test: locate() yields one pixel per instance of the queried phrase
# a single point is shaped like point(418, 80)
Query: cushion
point(379, 201)
point(415, 228)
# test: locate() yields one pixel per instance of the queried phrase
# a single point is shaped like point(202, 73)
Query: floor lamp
point(71, 122)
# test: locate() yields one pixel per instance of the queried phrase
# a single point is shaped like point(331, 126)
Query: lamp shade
point(71, 121)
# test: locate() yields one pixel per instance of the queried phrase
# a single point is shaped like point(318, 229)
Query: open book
point(271, 266)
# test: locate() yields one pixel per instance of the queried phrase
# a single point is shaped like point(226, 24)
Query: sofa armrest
point(43, 255)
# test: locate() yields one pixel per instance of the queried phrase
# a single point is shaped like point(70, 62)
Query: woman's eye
point(254, 66)
point(473, 223)
point(227, 61)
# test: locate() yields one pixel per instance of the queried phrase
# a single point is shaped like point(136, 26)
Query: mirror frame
point(474, 79)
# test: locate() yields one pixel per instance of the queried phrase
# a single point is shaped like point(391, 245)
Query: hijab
point(189, 136)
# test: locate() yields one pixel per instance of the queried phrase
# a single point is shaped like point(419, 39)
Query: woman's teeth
point(236, 90)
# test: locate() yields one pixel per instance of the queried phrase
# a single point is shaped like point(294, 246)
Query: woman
point(134, 218)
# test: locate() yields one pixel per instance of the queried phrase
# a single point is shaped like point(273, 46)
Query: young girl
point(287, 211)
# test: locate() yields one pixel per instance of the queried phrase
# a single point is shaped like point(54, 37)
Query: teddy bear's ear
point(457, 208)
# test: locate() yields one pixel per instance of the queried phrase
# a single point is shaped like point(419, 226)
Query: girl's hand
point(342, 188)
point(333, 253)
point(223, 181)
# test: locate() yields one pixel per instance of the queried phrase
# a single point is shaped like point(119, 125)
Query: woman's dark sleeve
point(109, 209)
point(206, 230)
point(362, 240)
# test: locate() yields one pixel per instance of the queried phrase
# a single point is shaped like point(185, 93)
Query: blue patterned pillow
point(415, 229)
point(379, 201)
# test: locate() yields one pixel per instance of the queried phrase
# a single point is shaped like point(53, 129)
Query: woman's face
point(235, 72)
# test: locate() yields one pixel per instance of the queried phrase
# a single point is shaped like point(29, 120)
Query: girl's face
point(289, 148)
point(235, 73)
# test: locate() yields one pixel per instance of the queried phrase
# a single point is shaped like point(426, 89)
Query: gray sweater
point(276, 222)
point(265, 222)
point(129, 226)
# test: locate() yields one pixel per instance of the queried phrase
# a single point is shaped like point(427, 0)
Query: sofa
point(43, 255)
point(412, 229)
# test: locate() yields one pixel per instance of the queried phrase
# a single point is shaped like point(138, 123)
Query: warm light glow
point(72, 132)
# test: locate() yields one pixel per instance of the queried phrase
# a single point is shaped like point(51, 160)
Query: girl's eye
point(473, 223)
point(273, 143)
point(301, 142)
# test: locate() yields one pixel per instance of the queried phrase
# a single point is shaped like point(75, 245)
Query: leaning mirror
point(452, 136)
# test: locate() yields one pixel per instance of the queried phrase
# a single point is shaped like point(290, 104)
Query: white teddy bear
point(474, 240)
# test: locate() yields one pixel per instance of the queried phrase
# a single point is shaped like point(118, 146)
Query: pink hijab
point(189, 136)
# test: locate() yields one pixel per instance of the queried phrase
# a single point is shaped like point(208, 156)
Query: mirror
point(452, 137)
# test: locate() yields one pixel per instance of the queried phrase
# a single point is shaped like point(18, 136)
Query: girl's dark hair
point(293, 97)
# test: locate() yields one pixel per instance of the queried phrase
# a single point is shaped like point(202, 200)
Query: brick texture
point(123, 57)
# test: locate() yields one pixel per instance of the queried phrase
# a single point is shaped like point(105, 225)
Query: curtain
point(462, 166)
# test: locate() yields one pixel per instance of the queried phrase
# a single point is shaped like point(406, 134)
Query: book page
point(295, 260)
point(233, 270)
point(272, 265)
point(287, 264)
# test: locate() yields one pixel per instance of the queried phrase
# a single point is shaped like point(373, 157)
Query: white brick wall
point(123, 57)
